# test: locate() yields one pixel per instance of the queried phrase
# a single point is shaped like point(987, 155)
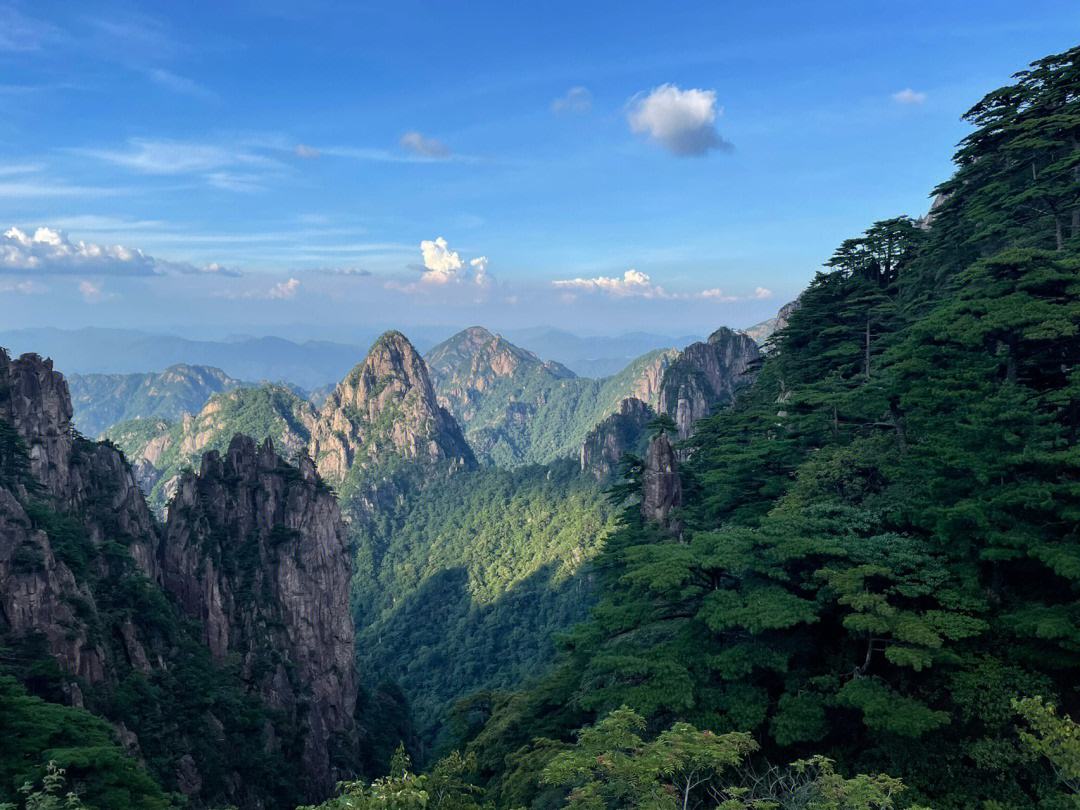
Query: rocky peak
point(661, 487)
point(385, 408)
point(620, 433)
point(706, 376)
point(255, 550)
point(472, 362)
point(761, 332)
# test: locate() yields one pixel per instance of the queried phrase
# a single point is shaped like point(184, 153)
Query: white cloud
point(479, 270)
point(284, 289)
point(681, 121)
point(441, 264)
point(635, 284)
point(576, 100)
point(306, 152)
point(761, 293)
point(426, 147)
point(632, 283)
point(48, 251)
point(92, 292)
point(909, 96)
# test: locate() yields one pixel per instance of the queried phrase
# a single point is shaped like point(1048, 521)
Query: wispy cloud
point(168, 157)
point(20, 33)
point(306, 152)
point(284, 289)
point(422, 145)
point(576, 100)
point(180, 84)
point(909, 97)
point(92, 291)
point(26, 287)
point(681, 121)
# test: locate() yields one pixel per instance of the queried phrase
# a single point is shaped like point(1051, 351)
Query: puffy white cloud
point(681, 121)
point(426, 147)
point(441, 264)
point(909, 97)
point(48, 251)
point(576, 100)
point(284, 289)
point(761, 293)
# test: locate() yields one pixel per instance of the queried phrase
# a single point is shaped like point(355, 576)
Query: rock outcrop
point(706, 376)
point(619, 434)
point(256, 551)
point(85, 487)
point(661, 487)
point(386, 409)
point(761, 332)
point(472, 362)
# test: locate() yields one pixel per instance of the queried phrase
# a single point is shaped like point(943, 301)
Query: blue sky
point(603, 166)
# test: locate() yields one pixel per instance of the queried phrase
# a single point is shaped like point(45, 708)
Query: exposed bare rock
point(620, 433)
point(761, 332)
point(706, 376)
point(385, 409)
point(661, 487)
point(255, 549)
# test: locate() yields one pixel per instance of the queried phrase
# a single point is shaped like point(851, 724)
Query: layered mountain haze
point(103, 400)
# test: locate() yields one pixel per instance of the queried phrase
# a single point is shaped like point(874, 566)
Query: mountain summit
point(385, 409)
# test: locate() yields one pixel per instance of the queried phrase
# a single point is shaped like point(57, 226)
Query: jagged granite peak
point(661, 486)
point(621, 433)
point(255, 550)
point(75, 473)
point(385, 409)
point(90, 486)
point(707, 375)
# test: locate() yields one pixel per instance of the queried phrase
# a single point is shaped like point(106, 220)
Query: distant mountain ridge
point(103, 400)
point(518, 409)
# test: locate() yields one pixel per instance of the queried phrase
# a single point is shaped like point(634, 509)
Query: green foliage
point(103, 400)
point(464, 589)
point(52, 795)
point(1053, 737)
point(446, 787)
point(37, 738)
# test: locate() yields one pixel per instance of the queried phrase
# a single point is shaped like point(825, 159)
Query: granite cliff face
point(256, 551)
point(42, 585)
point(706, 376)
point(619, 434)
point(386, 410)
point(661, 486)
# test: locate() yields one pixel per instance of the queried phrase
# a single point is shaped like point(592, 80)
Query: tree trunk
point(1058, 233)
